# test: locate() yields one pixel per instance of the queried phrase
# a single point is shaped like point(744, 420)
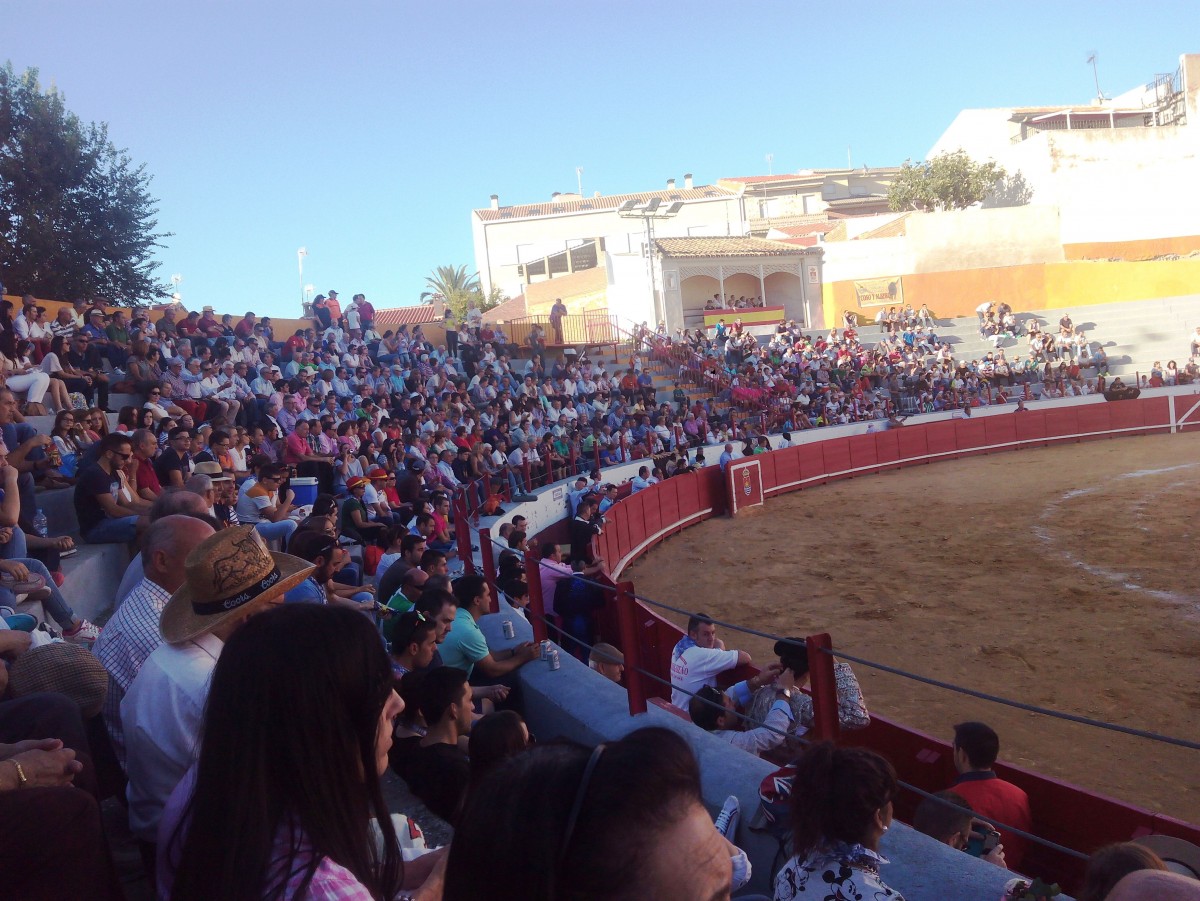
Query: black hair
point(442, 687)
point(979, 741)
point(707, 707)
point(696, 620)
point(410, 541)
point(431, 557)
point(793, 654)
point(432, 601)
point(943, 816)
point(512, 841)
point(836, 795)
point(467, 588)
point(413, 627)
point(494, 739)
point(309, 544)
point(300, 742)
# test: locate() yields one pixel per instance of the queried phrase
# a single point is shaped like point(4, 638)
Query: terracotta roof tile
point(413, 315)
point(513, 308)
point(808, 228)
point(610, 202)
point(726, 247)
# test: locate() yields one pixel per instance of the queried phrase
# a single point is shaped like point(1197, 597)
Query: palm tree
point(451, 282)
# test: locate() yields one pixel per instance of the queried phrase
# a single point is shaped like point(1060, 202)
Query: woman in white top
point(21, 375)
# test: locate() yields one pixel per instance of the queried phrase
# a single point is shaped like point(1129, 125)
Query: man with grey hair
point(132, 634)
point(172, 501)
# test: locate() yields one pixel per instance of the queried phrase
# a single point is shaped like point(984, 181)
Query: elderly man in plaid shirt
point(132, 634)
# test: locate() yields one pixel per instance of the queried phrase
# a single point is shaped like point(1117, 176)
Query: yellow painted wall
point(1036, 286)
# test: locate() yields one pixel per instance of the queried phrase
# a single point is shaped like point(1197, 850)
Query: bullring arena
point(1061, 576)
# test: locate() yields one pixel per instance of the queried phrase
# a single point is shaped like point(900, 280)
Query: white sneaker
point(85, 633)
point(727, 819)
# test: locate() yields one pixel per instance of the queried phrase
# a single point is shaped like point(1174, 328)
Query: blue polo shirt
point(465, 645)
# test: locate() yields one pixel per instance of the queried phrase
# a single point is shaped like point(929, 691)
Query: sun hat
point(357, 482)
point(63, 668)
point(213, 470)
point(377, 472)
point(226, 573)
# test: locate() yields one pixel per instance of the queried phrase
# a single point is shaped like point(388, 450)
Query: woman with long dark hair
point(561, 822)
point(279, 803)
point(841, 805)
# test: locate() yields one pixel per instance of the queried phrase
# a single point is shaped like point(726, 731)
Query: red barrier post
point(462, 532)
point(627, 616)
point(574, 458)
point(596, 457)
point(823, 687)
point(525, 473)
point(537, 604)
point(489, 565)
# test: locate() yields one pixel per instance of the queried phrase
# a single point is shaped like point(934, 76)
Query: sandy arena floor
point(1063, 577)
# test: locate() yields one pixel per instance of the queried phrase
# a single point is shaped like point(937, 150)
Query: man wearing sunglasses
point(105, 517)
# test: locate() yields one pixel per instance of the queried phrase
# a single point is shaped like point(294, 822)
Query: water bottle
point(40, 525)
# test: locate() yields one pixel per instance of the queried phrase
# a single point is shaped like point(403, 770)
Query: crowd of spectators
point(234, 582)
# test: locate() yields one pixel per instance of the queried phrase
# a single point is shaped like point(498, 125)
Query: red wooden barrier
point(628, 611)
point(462, 533)
point(970, 435)
point(836, 457)
point(864, 452)
point(488, 559)
point(1031, 428)
point(823, 686)
point(887, 448)
point(537, 604)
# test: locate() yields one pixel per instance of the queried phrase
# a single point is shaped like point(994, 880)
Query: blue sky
point(366, 132)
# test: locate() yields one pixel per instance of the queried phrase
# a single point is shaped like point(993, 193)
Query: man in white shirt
point(132, 634)
point(229, 577)
point(698, 658)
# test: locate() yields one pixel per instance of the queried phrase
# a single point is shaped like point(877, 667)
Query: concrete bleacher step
point(59, 506)
point(92, 577)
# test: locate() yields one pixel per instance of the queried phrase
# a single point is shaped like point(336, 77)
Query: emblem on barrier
point(746, 489)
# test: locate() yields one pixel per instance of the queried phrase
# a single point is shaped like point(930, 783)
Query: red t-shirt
point(147, 477)
point(994, 799)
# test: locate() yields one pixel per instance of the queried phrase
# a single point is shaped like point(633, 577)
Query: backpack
point(774, 813)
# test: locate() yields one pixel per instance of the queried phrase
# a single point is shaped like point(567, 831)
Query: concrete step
point(92, 577)
point(59, 506)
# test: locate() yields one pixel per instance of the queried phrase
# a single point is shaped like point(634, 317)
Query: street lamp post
point(300, 255)
point(175, 280)
point(648, 214)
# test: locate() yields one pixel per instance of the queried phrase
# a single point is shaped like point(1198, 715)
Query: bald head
point(166, 544)
point(178, 500)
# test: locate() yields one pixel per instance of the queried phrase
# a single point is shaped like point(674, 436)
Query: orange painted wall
point(1037, 286)
point(1143, 249)
point(580, 291)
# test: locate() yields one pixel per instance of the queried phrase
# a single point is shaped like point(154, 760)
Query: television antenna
point(1092, 57)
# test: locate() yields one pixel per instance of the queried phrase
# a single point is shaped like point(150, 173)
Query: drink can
point(546, 646)
point(554, 661)
point(509, 631)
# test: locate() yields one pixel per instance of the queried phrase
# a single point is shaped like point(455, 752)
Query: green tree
point(458, 289)
point(948, 181)
point(76, 215)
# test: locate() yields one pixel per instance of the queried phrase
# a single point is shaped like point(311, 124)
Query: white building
point(512, 243)
point(1120, 170)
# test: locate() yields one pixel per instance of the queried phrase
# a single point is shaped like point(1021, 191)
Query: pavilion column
point(721, 279)
point(762, 285)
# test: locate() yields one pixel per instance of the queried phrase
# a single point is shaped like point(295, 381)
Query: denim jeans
point(113, 531)
point(15, 548)
point(55, 605)
point(276, 531)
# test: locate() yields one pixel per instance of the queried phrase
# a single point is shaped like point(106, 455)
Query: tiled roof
point(760, 179)
point(808, 228)
point(723, 247)
point(611, 202)
point(414, 315)
point(513, 308)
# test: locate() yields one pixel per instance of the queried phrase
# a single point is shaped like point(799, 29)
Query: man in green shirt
point(465, 646)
